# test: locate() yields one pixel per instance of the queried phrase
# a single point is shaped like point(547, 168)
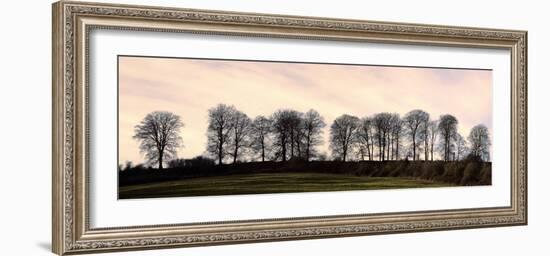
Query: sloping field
point(262, 183)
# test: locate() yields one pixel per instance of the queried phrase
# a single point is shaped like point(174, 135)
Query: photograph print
point(215, 127)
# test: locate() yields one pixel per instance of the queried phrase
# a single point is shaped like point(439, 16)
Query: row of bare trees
point(383, 136)
point(287, 134)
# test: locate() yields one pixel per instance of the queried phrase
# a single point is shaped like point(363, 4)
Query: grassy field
point(262, 183)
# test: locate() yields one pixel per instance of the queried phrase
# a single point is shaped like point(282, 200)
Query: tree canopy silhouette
point(240, 131)
point(312, 128)
point(448, 129)
point(342, 135)
point(260, 131)
point(364, 138)
point(432, 136)
point(158, 135)
point(283, 121)
point(289, 134)
point(480, 141)
point(220, 126)
point(417, 121)
point(382, 123)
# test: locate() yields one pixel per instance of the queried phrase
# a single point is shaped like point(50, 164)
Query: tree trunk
point(308, 143)
point(291, 144)
point(449, 149)
point(432, 151)
point(379, 147)
point(392, 138)
point(368, 149)
point(397, 148)
point(236, 150)
point(160, 159)
point(426, 148)
point(220, 147)
point(388, 147)
point(344, 156)
point(392, 150)
point(446, 149)
point(372, 147)
point(307, 153)
point(383, 141)
point(414, 147)
point(263, 151)
point(283, 148)
point(298, 148)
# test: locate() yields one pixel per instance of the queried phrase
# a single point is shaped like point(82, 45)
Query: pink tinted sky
point(189, 87)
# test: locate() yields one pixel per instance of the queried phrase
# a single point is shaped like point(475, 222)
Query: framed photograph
point(178, 127)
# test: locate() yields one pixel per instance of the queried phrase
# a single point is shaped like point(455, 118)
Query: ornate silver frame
point(72, 21)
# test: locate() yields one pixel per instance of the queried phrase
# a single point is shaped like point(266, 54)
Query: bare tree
point(342, 132)
point(365, 138)
point(158, 134)
point(425, 137)
point(220, 121)
point(447, 129)
point(390, 149)
point(260, 132)
point(432, 136)
point(461, 147)
point(382, 124)
point(414, 121)
point(240, 129)
point(396, 128)
point(312, 128)
point(480, 142)
point(294, 122)
point(282, 126)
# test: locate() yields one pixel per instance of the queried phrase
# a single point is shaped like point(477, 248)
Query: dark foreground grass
point(263, 183)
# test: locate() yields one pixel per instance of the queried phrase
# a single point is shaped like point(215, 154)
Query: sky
point(189, 87)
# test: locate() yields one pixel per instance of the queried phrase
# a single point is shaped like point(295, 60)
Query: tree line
point(284, 135)
point(233, 136)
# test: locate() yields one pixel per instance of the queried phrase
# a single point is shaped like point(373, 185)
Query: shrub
point(485, 175)
point(471, 174)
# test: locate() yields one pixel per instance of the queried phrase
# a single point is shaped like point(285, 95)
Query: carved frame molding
point(72, 22)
